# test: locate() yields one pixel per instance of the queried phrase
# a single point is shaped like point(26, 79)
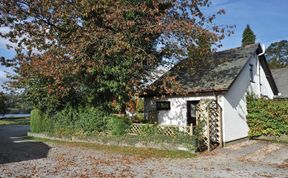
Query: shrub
point(81, 121)
point(267, 117)
point(92, 119)
point(39, 122)
point(118, 126)
point(149, 129)
point(199, 136)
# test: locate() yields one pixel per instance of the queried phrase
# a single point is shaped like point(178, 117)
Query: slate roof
point(216, 74)
point(281, 78)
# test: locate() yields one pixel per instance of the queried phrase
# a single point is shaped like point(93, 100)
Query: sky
point(267, 18)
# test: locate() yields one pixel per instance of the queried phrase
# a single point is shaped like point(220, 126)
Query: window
point(163, 105)
point(251, 73)
point(191, 112)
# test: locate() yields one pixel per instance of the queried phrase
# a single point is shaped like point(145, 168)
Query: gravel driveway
point(20, 158)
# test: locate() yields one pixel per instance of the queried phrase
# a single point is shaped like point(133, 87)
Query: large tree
point(248, 36)
point(277, 54)
point(82, 52)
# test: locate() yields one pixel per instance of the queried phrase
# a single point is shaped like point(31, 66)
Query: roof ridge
point(217, 76)
point(239, 47)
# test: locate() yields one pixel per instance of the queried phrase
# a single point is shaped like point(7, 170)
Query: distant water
point(14, 115)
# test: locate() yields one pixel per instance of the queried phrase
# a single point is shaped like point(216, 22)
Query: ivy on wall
point(267, 117)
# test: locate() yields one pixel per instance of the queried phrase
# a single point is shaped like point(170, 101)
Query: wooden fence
point(169, 130)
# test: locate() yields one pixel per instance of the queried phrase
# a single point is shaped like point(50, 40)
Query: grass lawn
point(15, 121)
point(142, 152)
point(281, 139)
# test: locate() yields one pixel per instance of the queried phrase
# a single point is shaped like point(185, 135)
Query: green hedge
point(84, 122)
point(267, 117)
point(39, 122)
point(80, 121)
point(118, 126)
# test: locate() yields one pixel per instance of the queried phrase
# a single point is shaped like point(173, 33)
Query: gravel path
point(30, 159)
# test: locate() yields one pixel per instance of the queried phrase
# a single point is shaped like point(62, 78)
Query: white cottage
point(227, 77)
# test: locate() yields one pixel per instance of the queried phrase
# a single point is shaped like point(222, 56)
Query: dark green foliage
point(16, 104)
point(70, 121)
point(149, 129)
point(248, 36)
point(39, 122)
point(81, 121)
point(3, 103)
point(118, 126)
point(199, 136)
point(275, 64)
point(277, 54)
point(267, 117)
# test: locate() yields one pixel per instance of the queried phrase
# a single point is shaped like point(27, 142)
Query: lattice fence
point(169, 130)
point(215, 112)
point(210, 112)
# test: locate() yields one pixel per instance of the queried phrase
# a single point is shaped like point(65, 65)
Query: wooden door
point(191, 112)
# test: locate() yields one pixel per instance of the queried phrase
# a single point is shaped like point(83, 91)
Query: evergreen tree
point(248, 36)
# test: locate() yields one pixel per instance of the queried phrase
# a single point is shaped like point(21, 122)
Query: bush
point(39, 122)
point(81, 121)
point(149, 129)
point(118, 126)
point(267, 117)
point(92, 119)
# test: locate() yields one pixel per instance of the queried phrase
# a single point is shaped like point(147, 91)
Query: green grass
point(281, 139)
point(14, 121)
point(141, 152)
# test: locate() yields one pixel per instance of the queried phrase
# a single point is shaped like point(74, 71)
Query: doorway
point(191, 112)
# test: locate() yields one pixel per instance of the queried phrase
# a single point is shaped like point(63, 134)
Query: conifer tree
point(248, 36)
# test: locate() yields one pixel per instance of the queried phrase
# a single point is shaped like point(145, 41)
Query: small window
point(163, 105)
point(251, 73)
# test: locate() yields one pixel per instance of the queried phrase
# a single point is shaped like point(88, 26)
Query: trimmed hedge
point(39, 122)
point(118, 126)
point(267, 117)
point(80, 121)
point(84, 122)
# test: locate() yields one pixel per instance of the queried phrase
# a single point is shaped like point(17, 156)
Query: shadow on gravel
point(14, 148)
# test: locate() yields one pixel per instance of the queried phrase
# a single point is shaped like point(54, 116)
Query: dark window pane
point(163, 105)
point(251, 72)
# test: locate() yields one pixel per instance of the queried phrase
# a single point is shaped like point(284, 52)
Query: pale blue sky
point(267, 18)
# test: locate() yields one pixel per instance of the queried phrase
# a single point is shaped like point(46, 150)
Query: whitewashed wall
point(260, 86)
point(265, 88)
point(244, 78)
point(235, 106)
point(177, 115)
point(233, 103)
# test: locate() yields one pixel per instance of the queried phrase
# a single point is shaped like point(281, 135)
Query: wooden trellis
point(169, 130)
point(215, 125)
point(210, 112)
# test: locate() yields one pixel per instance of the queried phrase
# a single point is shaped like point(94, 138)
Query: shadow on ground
point(14, 148)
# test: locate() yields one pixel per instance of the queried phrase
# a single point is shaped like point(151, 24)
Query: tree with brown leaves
point(82, 52)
